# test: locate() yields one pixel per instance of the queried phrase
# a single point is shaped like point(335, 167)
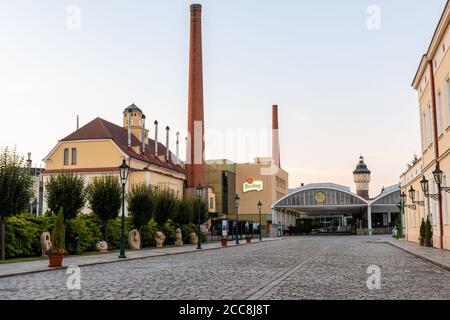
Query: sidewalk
point(18, 268)
point(438, 257)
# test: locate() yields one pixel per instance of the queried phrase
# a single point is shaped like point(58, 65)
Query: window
point(439, 112)
point(211, 203)
point(447, 92)
point(74, 156)
point(66, 156)
point(430, 127)
point(424, 131)
point(445, 200)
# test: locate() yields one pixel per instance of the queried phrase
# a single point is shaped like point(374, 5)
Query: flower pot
point(248, 239)
point(422, 241)
point(224, 241)
point(427, 243)
point(55, 261)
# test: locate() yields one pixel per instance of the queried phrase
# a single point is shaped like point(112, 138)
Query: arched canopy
point(322, 198)
point(387, 201)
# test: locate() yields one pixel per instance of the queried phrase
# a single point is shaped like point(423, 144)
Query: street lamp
point(424, 183)
point(199, 190)
point(259, 205)
point(412, 195)
point(236, 203)
point(124, 170)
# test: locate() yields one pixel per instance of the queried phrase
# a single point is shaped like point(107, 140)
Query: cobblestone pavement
point(294, 268)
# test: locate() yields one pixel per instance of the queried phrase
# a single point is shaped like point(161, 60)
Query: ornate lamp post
point(199, 190)
point(438, 178)
point(412, 195)
point(259, 205)
point(124, 170)
point(236, 203)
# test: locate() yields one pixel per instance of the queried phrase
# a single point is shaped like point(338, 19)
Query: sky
point(340, 71)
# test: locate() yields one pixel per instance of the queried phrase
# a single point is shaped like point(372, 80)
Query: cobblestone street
point(293, 268)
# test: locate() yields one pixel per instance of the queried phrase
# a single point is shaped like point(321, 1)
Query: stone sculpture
point(101, 246)
point(193, 238)
point(45, 242)
point(134, 240)
point(179, 237)
point(159, 238)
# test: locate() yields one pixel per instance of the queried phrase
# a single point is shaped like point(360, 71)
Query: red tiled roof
point(102, 129)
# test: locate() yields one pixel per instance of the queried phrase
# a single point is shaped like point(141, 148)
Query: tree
point(104, 196)
point(16, 184)
point(141, 204)
point(422, 229)
point(202, 208)
point(184, 212)
point(428, 234)
point(58, 243)
point(67, 191)
point(165, 206)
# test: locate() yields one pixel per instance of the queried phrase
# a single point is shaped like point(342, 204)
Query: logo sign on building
point(253, 185)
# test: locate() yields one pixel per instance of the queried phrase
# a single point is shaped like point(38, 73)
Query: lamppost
point(199, 197)
point(124, 169)
point(438, 178)
point(236, 203)
point(412, 195)
point(259, 205)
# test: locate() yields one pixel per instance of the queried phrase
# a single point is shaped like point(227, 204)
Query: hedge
point(23, 233)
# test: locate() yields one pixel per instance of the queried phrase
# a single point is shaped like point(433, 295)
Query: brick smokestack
point(195, 164)
point(275, 137)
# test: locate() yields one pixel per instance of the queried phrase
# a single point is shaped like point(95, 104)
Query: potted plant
point(57, 250)
point(428, 235)
point(422, 233)
point(248, 238)
point(224, 241)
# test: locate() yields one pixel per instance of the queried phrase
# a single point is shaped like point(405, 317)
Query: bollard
point(77, 238)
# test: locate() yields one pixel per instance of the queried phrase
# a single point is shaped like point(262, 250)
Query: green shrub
point(165, 206)
point(422, 229)
point(90, 230)
point(186, 230)
point(141, 204)
point(428, 230)
point(23, 235)
point(114, 227)
point(184, 212)
point(169, 230)
point(148, 234)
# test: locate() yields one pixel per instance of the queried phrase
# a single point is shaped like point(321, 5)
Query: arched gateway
point(332, 207)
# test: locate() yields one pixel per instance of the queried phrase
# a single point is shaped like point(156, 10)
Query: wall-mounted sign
point(252, 185)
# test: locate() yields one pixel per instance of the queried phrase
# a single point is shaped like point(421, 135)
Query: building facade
point(99, 147)
point(263, 181)
point(221, 177)
point(432, 83)
point(330, 207)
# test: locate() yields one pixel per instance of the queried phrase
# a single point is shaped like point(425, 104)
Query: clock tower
point(361, 177)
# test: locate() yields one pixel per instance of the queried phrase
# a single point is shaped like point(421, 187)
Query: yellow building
point(261, 181)
point(432, 83)
point(99, 147)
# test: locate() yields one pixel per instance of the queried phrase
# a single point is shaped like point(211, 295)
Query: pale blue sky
point(343, 90)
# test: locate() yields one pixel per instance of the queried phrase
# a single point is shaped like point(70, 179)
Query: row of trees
point(66, 192)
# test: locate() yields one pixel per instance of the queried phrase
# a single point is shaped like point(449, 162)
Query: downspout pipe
point(436, 148)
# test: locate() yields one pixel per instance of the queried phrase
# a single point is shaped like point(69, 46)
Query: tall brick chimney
point(275, 137)
point(195, 164)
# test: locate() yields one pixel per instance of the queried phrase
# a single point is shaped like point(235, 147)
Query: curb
point(128, 259)
point(436, 263)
